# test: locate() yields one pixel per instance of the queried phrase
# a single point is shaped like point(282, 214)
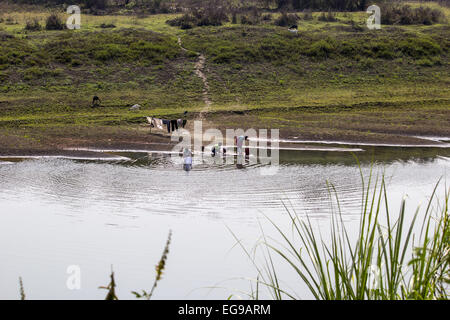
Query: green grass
point(48, 78)
point(392, 258)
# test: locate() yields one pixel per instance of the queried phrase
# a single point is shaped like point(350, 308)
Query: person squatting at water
point(187, 159)
point(217, 149)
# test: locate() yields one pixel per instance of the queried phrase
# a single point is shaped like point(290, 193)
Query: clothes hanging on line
point(171, 125)
point(167, 123)
point(174, 124)
point(155, 122)
point(158, 123)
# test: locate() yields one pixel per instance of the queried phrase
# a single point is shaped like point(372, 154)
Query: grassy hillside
point(337, 70)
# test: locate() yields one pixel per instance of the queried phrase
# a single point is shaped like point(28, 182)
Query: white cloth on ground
point(135, 107)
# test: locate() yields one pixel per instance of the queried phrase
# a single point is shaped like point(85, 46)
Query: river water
point(99, 215)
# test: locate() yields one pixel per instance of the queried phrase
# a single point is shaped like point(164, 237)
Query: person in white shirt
point(240, 143)
point(187, 157)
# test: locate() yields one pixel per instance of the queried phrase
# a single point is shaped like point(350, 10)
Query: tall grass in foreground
point(159, 268)
point(111, 287)
point(389, 260)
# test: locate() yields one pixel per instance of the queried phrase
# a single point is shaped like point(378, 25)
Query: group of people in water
point(216, 150)
point(175, 124)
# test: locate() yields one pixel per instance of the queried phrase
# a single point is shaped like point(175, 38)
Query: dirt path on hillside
point(199, 71)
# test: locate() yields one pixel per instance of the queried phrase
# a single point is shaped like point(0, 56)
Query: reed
point(21, 289)
point(389, 260)
point(159, 268)
point(111, 295)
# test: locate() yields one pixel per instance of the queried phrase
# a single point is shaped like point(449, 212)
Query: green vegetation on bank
point(48, 78)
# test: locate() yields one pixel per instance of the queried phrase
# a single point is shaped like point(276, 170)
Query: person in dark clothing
point(96, 102)
point(218, 149)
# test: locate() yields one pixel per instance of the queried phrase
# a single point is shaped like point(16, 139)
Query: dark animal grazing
point(96, 102)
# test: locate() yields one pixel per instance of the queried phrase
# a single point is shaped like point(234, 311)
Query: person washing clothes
point(187, 159)
point(217, 149)
point(240, 143)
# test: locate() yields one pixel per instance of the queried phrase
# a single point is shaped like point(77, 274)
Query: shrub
point(54, 22)
point(107, 25)
point(10, 21)
point(420, 47)
point(211, 16)
point(186, 21)
point(328, 17)
point(252, 18)
point(307, 15)
point(286, 19)
point(366, 63)
point(406, 15)
point(33, 25)
point(267, 17)
point(321, 48)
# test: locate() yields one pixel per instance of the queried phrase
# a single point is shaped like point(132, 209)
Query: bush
point(54, 22)
point(252, 18)
point(107, 25)
point(33, 25)
point(406, 15)
point(307, 15)
point(187, 21)
point(321, 49)
point(286, 20)
point(328, 17)
point(267, 17)
point(420, 47)
point(10, 21)
point(211, 16)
